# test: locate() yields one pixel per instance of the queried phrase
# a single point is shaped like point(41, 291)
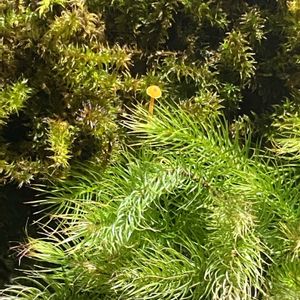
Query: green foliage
point(60, 138)
point(187, 212)
point(193, 208)
point(45, 6)
point(84, 62)
point(236, 54)
point(286, 131)
point(12, 99)
point(71, 86)
point(286, 281)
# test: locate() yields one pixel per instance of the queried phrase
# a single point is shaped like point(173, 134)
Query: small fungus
point(153, 92)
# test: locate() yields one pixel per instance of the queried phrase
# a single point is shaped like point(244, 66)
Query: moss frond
point(192, 214)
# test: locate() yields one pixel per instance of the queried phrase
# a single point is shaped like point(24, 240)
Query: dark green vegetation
point(68, 68)
point(200, 201)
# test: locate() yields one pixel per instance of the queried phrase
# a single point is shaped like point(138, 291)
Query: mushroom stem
point(151, 106)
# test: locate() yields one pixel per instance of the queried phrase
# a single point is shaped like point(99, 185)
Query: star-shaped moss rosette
point(154, 92)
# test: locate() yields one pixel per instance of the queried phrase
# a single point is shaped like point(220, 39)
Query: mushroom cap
point(153, 91)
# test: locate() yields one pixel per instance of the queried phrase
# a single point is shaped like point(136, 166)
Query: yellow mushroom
point(154, 92)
